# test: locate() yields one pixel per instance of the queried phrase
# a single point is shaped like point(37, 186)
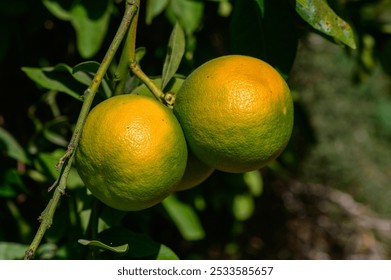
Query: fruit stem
point(145, 79)
point(128, 61)
point(66, 161)
point(122, 73)
point(133, 64)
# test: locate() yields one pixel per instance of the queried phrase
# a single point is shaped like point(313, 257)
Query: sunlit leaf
point(321, 17)
point(187, 12)
point(175, 51)
point(57, 78)
point(140, 53)
point(165, 253)
point(116, 249)
point(84, 217)
point(12, 251)
point(185, 218)
point(140, 246)
point(90, 20)
point(74, 180)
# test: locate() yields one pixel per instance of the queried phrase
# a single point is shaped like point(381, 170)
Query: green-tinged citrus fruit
point(196, 171)
point(132, 152)
point(236, 113)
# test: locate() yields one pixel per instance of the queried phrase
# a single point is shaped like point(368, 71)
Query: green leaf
point(154, 8)
point(90, 20)
point(165, 253)
point(12, 251)
point(116, 249)
point(46, 162)
point(50, 134)
point(111, 217)
point(140, 53)
point(185, 218)
point(56, 9)
point(84, 216)
point(243, 206)
point(187, 12)
point(11, 147)
point(47, 251)
point(11, 184)
point(58, 78)
point(84, 73)
point(74, 180)
point(140, 246)
point(175, 52)
point(261, 6)
point(321, 17)
point(253, 180)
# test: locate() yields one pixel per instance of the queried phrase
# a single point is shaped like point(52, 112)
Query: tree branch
point(66, 161)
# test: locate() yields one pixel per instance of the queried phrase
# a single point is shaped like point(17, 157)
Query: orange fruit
point(196, 171)
point(132, 152)
point(236, 113)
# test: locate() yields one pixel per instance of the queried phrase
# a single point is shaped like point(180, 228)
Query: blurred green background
point(327, 196)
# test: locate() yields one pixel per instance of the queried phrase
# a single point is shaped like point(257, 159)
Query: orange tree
point(90, 56)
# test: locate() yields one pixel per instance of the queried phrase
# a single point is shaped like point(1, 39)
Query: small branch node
point(29, 254)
